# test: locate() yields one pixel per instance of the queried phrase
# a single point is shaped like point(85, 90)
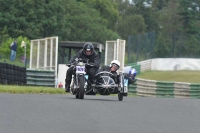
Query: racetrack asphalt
point(63, 113)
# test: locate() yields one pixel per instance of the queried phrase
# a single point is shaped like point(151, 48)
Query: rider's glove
point(85, 60)
point(92, 64)
point(87, 66)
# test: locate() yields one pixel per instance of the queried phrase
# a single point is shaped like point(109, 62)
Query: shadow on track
point(91, 98)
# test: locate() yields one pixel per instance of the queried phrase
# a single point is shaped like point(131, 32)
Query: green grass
point(17, 62)
point(174, 76)
point(36, 90)
point(30, 90)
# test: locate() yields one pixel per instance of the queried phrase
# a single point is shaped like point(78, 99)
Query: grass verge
point(35, 90)
point(16, 62)
point(30, 90)
point(173, 76)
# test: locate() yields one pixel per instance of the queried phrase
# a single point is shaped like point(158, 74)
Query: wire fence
point(156, 45)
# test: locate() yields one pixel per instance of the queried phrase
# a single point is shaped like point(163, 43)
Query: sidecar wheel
point(120, 96)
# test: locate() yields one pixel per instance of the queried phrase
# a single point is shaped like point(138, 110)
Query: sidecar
point(104, 84)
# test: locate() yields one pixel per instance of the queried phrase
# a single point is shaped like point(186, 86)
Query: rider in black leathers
point(88, 54)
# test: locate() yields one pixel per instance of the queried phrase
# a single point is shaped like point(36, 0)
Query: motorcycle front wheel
point(81, 86)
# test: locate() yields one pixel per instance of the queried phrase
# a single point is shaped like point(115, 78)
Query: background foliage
point(176, 24)
point(5, 49)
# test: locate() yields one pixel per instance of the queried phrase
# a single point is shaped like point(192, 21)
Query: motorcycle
point(103, 84)
point(79, 78)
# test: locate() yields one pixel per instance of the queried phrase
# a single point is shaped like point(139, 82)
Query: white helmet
point(115, 62)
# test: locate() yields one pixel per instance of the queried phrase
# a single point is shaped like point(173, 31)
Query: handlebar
point(79, 60)
point(87, 64)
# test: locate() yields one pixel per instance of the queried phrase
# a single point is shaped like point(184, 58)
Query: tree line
point(101, 20)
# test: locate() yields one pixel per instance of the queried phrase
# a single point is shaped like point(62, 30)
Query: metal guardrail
point(40, 78)
point(153, 88)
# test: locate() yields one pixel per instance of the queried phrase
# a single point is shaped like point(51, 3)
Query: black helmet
point(88, 47)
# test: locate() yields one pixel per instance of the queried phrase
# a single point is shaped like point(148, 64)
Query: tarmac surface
point(47, 113)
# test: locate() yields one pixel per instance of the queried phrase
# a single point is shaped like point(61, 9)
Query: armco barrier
point(12, 74)
point(145, 65)
point(153, 88)
point(40, 78)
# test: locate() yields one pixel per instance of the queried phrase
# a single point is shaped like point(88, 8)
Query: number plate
point(80, 69)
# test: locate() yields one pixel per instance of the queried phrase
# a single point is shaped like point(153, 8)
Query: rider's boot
point(67, 88)
point(67, 85)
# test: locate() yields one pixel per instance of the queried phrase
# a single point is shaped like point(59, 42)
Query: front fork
point(77, 80)
point(75, 83)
